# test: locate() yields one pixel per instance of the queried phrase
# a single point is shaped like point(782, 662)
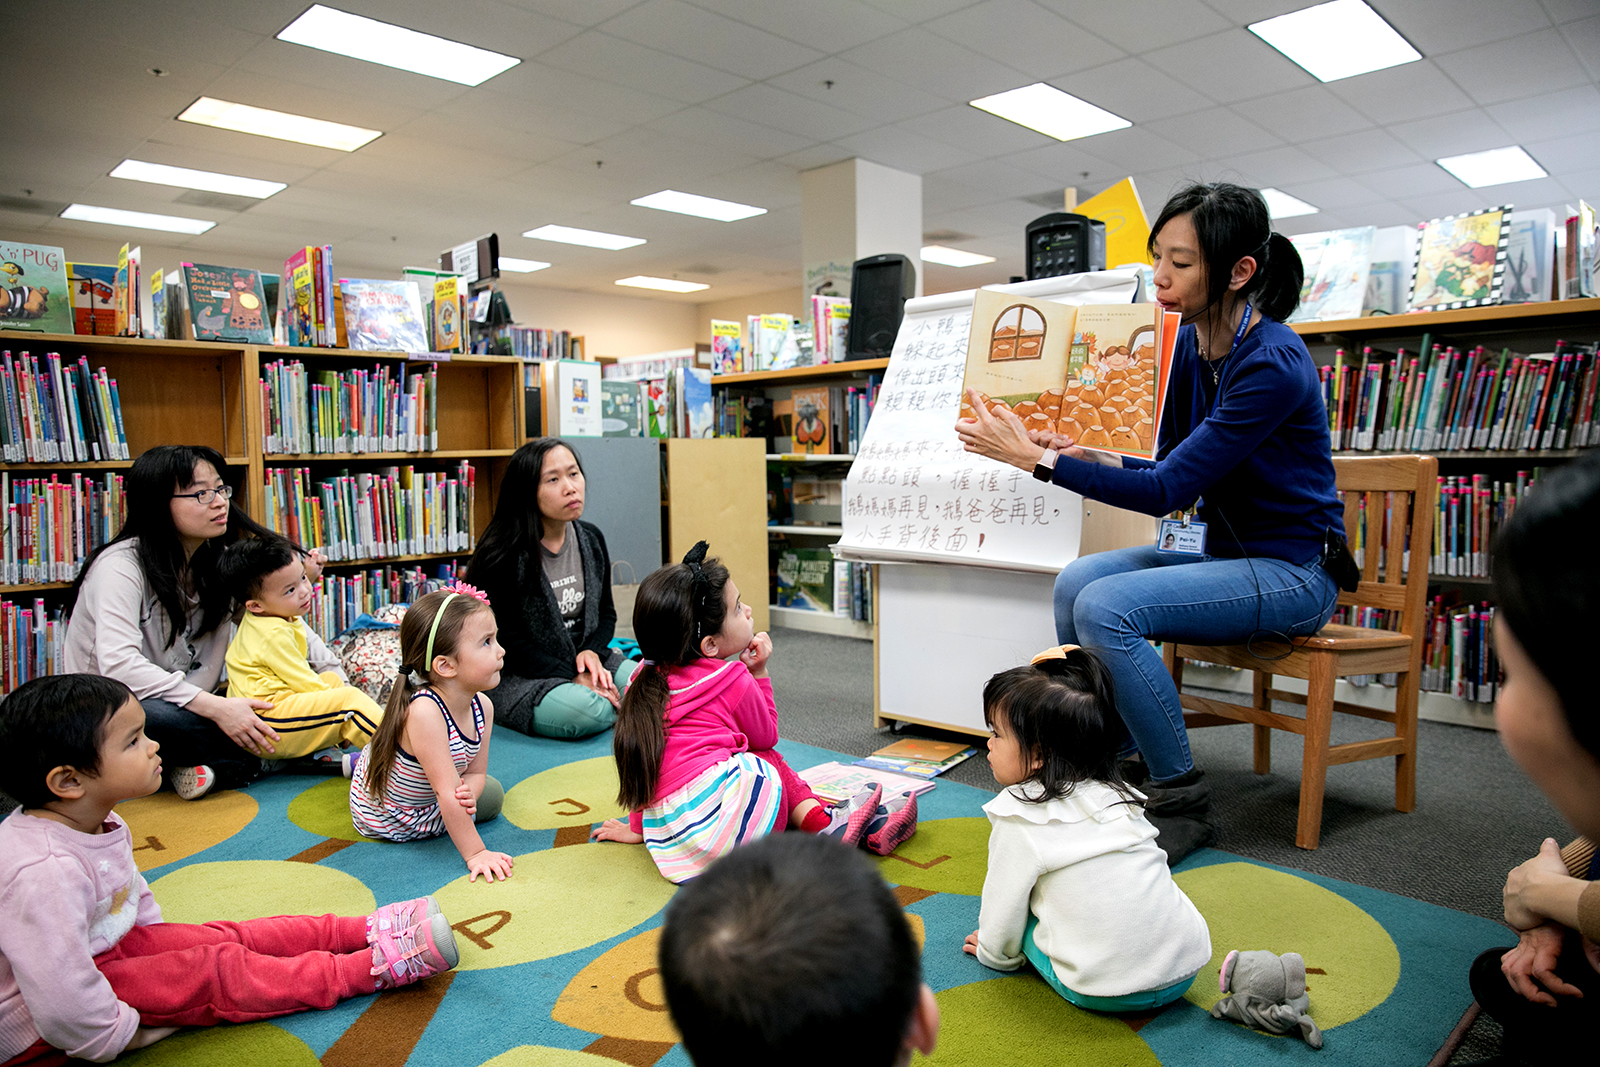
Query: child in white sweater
point(1077, 885)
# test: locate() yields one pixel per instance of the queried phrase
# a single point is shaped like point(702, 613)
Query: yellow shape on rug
point(944, 856)
point(214, 1045)
point(167, 829)
point(324, 809)
point(620, 994)
point(253, 889)
point(573, 794)
point(1019, 1019)
point(545, 1056)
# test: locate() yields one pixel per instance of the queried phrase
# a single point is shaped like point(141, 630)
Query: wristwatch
point(1046, 466)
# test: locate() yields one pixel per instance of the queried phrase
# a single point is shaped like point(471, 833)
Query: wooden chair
point(1394, 492)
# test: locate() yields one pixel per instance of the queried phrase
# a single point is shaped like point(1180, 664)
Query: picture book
point(299, 296)
point(811, 421)
point(620, 414)
point(383, 315)
point(94, 311)
point(1581, 259)
point(660, 413)
point(225, 304)
point(694, 401)
point(158, 305)
point(924, 750)
point(35, 292)
point(1530, 257)
point(577, 411)
point(1461, 260)
point(139, 280)
point(914, 768)
point(834, 782)
point(446, 324)
point(1127, 226)
point(805, 579)
point(1337, 264)
point(119, 293)
point(128, 260)
point(1389, 281)
point(1097, 373)
point(727, 347)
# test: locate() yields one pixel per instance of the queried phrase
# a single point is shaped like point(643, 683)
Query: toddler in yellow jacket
point(275, 656)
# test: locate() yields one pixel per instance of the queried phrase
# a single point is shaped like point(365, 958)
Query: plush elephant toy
point(1267, 992)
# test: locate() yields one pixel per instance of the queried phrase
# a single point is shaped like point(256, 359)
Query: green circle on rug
point(1019, 1019)
point(254, 889)
point(214, 1045)
point(544, 1056)
point(1251, 907)
point(556, 901)
point(324, 809)
point(167, 829)
point(943, 856)
point(619, 994)
point(573, 794)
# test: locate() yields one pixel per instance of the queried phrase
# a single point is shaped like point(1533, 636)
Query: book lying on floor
point(836, 781)
point(919, 757)
point(914, 768)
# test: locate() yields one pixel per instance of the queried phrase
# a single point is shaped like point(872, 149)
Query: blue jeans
point(1116, 602)
point(188, 739)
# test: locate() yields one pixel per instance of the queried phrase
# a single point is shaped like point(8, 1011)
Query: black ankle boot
point(1180, 810)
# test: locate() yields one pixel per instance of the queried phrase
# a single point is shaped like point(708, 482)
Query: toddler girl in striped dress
point(424, 773)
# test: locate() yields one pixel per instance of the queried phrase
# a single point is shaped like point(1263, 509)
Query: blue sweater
point(1258, 458)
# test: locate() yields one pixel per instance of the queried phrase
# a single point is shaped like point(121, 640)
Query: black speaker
point(879, 289)
point(1059, 243)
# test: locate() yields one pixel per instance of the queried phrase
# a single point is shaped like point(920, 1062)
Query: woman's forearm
point(1556, 899)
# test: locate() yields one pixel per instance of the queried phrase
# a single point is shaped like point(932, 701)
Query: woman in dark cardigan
point(548, 577)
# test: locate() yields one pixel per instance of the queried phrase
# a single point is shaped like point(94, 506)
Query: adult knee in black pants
point(1535, 1030)
point(189, 740)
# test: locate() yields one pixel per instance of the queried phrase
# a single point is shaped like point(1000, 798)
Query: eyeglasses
point(204, 497)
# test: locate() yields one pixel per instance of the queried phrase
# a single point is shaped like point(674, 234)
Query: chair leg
point(1314, 769)
point(1263, 734)
point(1405, 726)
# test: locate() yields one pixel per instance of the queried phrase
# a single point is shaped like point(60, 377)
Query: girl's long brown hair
point(414, 672)
point(677, 606)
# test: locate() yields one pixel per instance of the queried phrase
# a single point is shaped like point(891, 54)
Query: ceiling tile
point(535, 85)
point(717, 130)
point(578, 12)
point(855, 88)
point(378, 104)
point(1231, 65)
point(469, 134)
point(1452, 135)
point(1026, 37)
point(918, 10)
point(941, 195)
point(770, 106)
point(820, 155)
point(1065, 163)
point(705, 37)
point(1379, 213)
point(1274, 166)
point(1539, 191)
point(1289, 114)
point(936, 65)
point(1140, 25)
point(895, 147)
point(1414, 179)
point(998, 180)
point(770, 184)
point(1429, 206)
point(1136, 148)
point(1540, 118)
point(1134, 89)
point(1584, 184)
point(621, 62)
point(1331, 194)
point(1358, 153)
point(1244, 12)
point(329, 83)
point(966, 125)
point(1579, 151)
point(1412, 91)
point(507, 29)
point(550, 120)
point(1584, 37)
point(1521, 66)
point(1439, 26)
point(828, 25)
point(1217, 131)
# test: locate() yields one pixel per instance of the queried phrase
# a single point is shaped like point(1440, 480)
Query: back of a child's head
point(244, 564)
point(1062, 709)
point(56, 721)
point(790, 950)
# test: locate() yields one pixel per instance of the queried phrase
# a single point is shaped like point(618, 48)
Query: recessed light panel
point(705, 207)
point(1494, 167)
point(1280, 205)
point(571, 235)
point(1051, 112)
point(139, 220)
point(669, 285)
point(342, 33)
point(264, 122)
point(1337, 40)
point(952, 257)
point(521, 266)
point(183, 177)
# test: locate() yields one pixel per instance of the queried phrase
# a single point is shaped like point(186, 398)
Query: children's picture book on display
point(727, 347)
point(805, 579)
point(94, 294)
point(1530, 257)
point(694, 398)
point(446, 316)
point(1389, 281)
point(834, 782)
point(35, 293)
point(1461, 260)
point(383, 316)
point(1097, 372)
point(1337, 264)
point(620, 409)
point(1581, 260)
point(577, 398)
point(812, 424)
point(226, 304)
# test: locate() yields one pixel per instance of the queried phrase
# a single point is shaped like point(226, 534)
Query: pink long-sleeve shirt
point(65, 897)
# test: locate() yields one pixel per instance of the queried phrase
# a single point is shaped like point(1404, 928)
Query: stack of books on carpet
point(835, 781)
point(918, 757)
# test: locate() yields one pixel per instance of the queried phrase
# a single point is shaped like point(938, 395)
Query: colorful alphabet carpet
point(558, 963)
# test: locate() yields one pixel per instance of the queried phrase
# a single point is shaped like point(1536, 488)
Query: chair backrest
point(1389, 503)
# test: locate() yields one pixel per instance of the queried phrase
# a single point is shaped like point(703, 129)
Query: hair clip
point(468, 590)
point(1058, 652)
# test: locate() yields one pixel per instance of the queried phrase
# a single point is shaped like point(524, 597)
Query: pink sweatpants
point(795, 790)
point(182, 974)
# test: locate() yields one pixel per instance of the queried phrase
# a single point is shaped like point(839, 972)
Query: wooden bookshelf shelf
point(781, 377)
point(273, 459)
point(811, 457)
point(811, 531)
point(1499, 316)
point(33, 587)
point(89, 343)
point(1547, 453)
point(271, 352)
point(379, 561)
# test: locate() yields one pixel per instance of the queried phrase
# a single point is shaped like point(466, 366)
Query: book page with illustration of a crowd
point(1096, 372)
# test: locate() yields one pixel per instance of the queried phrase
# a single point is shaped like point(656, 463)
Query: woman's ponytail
point(1282, 274)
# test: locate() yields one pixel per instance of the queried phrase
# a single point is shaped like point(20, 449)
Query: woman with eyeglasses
point(149, 610)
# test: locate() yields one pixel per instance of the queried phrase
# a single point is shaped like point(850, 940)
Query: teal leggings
point(1145, 1001)
point(572, 710)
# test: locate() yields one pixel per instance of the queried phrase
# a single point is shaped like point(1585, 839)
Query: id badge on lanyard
point(1183, 536)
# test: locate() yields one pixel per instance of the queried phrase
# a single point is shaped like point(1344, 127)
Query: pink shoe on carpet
point(893, 825)
point(849, 819)
point(403, 956)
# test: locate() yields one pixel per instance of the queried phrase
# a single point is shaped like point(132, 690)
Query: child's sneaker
point(848, 820)
point(401, 956)
point(192, 783)
point(401, 915)
point(348, 761)
point(892, 824)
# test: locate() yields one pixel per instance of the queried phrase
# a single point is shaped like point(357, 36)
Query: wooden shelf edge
point(277, 458)
point(1416, 322)
point(808, 531)
point(820, 622)
point(825, 370)
point(1482, 453)
point(811, 457)
point(33, 587)
point(373, 561)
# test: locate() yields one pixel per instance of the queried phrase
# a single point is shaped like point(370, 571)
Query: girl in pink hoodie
point(695, 734)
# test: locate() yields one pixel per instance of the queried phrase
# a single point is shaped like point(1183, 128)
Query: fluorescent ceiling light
point(1280, 205)
point(350, 35)
point(1494, 167)
point(1337, 40)
point(1050, 111)
point(952, 257)
point(706, 207)
point(670, 285)
point(183, 177)
point(140, 220)
point(571, 235)
point(522, 266)
point(264, 122)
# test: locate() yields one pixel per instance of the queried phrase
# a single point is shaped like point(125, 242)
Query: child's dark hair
point(1063, 713)
point(244, 564)
point(56, 721)
point(1231, 222)
point(676, 608)
point(790, 950)
point(415, 663)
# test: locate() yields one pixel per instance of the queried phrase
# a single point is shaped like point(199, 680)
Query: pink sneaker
point(849, 819)
point(403, 956)
point(192, 783)
point(401, 915)
point(893, 824)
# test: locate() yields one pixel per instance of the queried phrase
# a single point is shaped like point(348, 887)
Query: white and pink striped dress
point(409, 809)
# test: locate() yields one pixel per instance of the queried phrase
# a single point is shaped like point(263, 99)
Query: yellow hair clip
point(1058, 652)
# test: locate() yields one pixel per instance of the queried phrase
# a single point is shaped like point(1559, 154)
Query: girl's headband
point(1058, 652)
point(456, 589)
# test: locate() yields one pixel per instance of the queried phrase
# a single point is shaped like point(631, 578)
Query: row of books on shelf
point(780, 341)
point(1447, 399)
point(1470, 512)
point(587, 404)
point(536, 343)
point(810, 579)
point(52, 524)
point(394, 511)
point(57, 411)
point(819, 420)
point(31, 640)
point(1458, 656)
point(338, 412)
point(340, 599)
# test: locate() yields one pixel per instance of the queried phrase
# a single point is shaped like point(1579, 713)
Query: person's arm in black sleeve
point(599, 642)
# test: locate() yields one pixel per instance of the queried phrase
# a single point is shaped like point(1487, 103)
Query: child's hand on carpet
point(468, 801)
point(970, 945)
point(489, 864)
point(616, 830)
point(1532, 964)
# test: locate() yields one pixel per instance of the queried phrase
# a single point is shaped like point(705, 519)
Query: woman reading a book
point(548, 576)
point(1244, 443)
